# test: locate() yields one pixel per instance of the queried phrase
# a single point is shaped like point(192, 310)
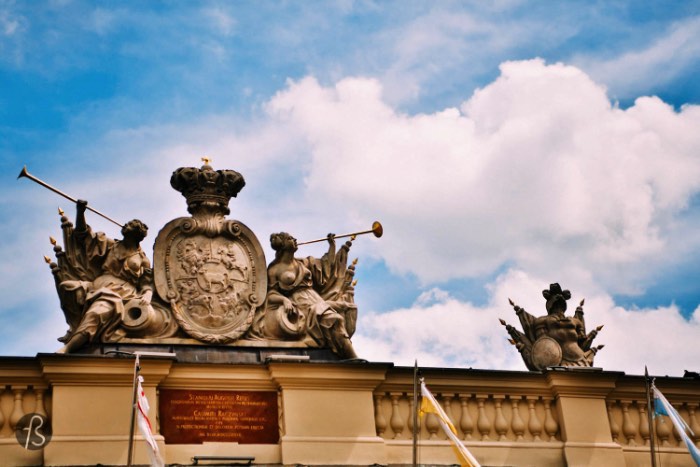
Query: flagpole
point(137, 368)
point(650, 419)
point(415, 413)
point(133, 411)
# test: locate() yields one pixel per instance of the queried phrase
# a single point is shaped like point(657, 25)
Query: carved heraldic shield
point(211, 270)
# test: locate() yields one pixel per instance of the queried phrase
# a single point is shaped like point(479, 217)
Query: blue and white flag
point(663, 407)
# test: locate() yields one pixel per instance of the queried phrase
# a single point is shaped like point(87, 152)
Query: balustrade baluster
point(397, 421)
point(39, 407)
point(409, 420)
point(551, 427)
point(643, 422)
point(663, 430)
point(379, 419)
point(693, 423)
point(500, 423)
point(411, 408)
point(628, 428)
point(517, 424)
point(483, 424)
point(534, 424)
point(466, 423)
point(2, 417)
point(614, 427)
point(676, 435)
point(17, 409)
point(432, 425)
point(446, 400)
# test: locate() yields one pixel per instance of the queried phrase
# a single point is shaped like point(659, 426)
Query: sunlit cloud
point(535, 167)
point(453, 333)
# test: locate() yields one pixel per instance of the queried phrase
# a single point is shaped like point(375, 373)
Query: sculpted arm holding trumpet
point(124, 275)
point(291, 285)
point(310, 298)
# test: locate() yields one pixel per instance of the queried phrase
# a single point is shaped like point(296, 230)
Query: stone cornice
point(24, 371)
point(582, 383)
point(488, 382)
point(80, 370)
point(248, 377)
point(344, 376)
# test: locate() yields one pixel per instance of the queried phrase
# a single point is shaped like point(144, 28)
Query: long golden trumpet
point(376, 229)
point(26, 174)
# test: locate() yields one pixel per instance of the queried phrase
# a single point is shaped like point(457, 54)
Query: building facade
point(282, 410)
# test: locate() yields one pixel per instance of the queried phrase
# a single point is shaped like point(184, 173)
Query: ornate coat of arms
point(210, 269)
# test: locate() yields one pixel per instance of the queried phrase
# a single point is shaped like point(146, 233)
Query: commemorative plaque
point(193, 417)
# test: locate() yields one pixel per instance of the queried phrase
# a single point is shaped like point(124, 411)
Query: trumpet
point(376, 229)
point(25, 173)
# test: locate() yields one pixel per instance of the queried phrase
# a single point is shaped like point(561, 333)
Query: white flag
point(144, 424)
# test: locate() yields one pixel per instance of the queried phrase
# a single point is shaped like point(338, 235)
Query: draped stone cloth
point(124, 276)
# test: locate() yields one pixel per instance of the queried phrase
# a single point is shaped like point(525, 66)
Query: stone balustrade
point(629, 423)
point(562, 416)
point(22, 391)
point(17, 400)
point(476, 416)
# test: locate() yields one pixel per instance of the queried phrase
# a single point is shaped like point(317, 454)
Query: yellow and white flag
point(430, 405)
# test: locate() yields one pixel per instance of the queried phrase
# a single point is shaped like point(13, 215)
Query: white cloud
point(8, 24)
point(659, 63)
point(452, 333)
point(103, 21)
point(221, 20)
point(433, 296)
point(538, 169)
point(425, 47)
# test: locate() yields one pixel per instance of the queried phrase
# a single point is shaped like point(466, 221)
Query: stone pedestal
point(91, 400)
point(583, 416)
point(329, 413)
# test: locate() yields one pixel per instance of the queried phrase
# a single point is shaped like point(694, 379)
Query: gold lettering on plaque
point(192, 417)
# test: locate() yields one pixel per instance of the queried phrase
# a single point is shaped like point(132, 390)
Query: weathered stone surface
point(214, 283)
point(554, 339)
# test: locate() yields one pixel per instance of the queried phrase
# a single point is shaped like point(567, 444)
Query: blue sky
point(504, 145)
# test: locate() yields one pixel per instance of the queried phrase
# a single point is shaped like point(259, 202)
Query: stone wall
point(348, 413)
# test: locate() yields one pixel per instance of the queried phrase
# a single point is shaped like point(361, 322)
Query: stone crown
point(206, 187)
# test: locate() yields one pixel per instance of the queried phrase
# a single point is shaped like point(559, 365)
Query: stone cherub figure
point(309, 298)
point(554, 339)
point(109, 273)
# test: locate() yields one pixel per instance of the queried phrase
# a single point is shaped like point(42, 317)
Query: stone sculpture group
point(209, 285)
point(208, 282)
